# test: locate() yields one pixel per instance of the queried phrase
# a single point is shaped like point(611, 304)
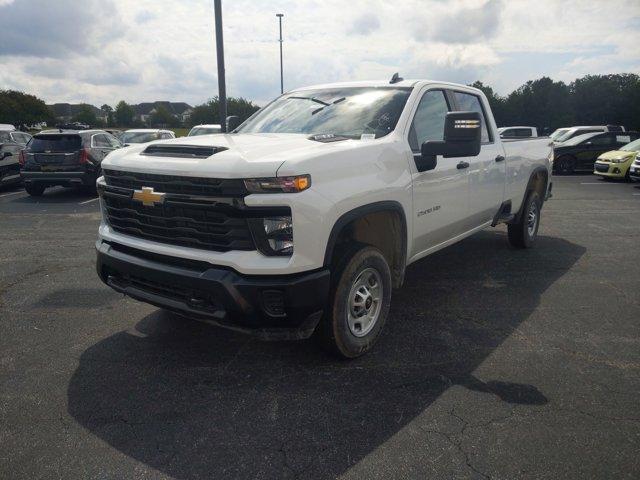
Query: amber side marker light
point(278, 184)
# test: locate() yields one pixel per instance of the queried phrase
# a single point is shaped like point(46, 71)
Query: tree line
point(543, 103)
point(590, 100)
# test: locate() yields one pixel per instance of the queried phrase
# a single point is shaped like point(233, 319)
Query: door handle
point(462, 165)
point(500, 158)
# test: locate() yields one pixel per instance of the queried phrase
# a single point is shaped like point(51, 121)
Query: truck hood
point(244, 155)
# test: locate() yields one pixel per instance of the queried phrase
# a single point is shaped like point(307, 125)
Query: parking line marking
point(88, 201)
point(8, 194)
point(602, 183)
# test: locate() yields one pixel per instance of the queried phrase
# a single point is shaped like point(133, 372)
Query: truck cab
point(303, 221)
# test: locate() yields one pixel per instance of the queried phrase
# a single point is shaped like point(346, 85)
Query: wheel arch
point(538, 181)
point(366, 219)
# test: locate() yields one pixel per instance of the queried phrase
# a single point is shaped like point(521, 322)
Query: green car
point(616, 163)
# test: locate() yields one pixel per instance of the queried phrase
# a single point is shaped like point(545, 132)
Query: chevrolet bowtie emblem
point(148, 197)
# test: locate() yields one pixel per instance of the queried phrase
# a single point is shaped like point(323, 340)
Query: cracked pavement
point(494, 363)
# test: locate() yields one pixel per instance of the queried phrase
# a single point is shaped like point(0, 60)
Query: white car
point(145, 135)
point(518, 132)
point(305, 219)
point(563, 134)
point(7, 127)
point(204, 130)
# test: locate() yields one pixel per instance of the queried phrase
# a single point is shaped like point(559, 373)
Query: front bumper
point(271, 307)
point(67, 179)
point(612, 170)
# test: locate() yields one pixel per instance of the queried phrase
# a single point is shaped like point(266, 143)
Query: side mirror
point(233, 121)
point(5, 155)
point(462, 138)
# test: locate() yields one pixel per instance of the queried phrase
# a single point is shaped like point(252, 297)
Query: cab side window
point(604, 139)
point(428, 123)
point(471, 103)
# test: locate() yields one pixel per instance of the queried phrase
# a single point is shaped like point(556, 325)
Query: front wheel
point(565, 165)
point(34, 190)
point(359, 302)
point(523, 234)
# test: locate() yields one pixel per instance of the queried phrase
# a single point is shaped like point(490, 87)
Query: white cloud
point(145, 50)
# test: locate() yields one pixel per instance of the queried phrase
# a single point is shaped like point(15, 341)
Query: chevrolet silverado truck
point(303, 219)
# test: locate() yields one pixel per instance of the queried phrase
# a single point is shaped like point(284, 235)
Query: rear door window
point(55, 143)
point(100, 141)
point(468, 102)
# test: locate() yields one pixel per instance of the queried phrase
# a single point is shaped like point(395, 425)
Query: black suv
point(11, 143)
point(65, 157)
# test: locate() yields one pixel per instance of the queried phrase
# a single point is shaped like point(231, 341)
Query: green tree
point(541, 103)
point(210, 112)
point(86, 115)
point(108, 113)
point(607, 99)
point(162, 117)
point(124, 114)
point(19, 108)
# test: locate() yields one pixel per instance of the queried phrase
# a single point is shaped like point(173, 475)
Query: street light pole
point(222, 88)
point(280, 15)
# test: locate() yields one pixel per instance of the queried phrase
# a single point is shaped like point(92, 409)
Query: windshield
point(632, 147)
point(579, 139)
point(349, 112)
point(139, 137)
point(55, 143)
point(557, 133)
point(203, 131)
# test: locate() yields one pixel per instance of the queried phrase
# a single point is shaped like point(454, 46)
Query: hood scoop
point(181, 151)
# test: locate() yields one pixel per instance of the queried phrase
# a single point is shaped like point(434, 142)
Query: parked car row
point(11, 143)
point(602, 153)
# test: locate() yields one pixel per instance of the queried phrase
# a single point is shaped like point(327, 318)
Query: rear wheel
point(34, 190)
point(358, 304)
point(523, 234)
point(565, 165)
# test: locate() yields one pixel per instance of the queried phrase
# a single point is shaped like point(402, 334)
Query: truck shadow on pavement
point(195, 401)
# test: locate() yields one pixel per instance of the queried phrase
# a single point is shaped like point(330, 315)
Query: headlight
point(550, 156)
point(278, 184)
point(273, 235)
point(620, 160)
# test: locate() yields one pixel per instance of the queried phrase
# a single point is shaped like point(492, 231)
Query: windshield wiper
point(341, 99)
point(312, 99)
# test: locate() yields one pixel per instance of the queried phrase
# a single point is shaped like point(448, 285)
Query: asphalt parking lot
point(495, 363)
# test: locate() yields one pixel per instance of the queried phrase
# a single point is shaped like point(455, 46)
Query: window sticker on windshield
point(368, 136)
point(623, 138)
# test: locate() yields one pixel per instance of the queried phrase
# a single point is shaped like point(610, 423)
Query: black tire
point(520, 233)
point(334, 332)
point(565, 165)
point(34, 190)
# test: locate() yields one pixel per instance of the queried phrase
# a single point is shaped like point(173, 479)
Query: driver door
point(440, 196)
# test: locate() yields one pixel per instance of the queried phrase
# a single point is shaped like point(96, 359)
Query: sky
point(103, 51)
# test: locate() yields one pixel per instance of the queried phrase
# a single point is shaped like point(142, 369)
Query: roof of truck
point(380, 83)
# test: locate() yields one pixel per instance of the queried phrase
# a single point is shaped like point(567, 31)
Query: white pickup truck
point(302, 220)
